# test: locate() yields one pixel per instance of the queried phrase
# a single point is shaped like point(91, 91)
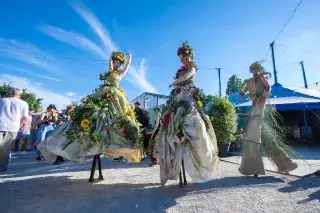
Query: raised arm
point(189, 73)
point(126, 67)
point(42, 120)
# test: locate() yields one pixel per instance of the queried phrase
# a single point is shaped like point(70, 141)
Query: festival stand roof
point(283, 98)
point(150, 100)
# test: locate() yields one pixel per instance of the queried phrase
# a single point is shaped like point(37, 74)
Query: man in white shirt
point(13, 112)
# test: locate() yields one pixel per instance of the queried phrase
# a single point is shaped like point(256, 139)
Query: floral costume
point(186, 132)
point(103, 123)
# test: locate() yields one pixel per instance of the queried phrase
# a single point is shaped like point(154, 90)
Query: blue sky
point(57, 48)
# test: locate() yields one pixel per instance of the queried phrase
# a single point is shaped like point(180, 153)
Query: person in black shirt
point(144, 120)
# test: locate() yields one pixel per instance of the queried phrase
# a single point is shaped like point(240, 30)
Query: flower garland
point(119, 56)
point(185, 51)
point(106, 75)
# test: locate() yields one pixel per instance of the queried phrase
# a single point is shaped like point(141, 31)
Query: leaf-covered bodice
point(111, 78)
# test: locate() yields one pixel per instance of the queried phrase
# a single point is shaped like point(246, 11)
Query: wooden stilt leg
point(184, 174)
point(93, 169)
point(180, 179)
point(100, 170)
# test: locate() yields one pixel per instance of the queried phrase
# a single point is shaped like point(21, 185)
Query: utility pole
point(305, 114)
point(304, 75)
point(219, 76)
point(274, 63)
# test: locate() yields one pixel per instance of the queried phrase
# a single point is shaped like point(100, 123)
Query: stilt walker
point(264, 135)
point(186, 142)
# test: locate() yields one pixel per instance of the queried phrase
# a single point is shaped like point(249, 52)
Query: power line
point(265, 55)
point(311, 53)
point(289, 19)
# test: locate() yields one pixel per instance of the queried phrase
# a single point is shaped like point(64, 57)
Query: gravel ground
point(38, 187)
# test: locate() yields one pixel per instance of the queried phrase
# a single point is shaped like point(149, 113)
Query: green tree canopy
point(234, 84)
point(33, 101)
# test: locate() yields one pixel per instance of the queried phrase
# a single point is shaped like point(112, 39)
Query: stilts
point(93, 168)
point(182, 174)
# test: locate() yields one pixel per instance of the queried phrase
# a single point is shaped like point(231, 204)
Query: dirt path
point(38, 187)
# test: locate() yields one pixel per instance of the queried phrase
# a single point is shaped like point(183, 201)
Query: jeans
point(7, 140)
point(43, 130)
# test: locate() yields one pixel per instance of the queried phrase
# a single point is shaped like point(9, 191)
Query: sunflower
point(86, 128)
point(85, 123)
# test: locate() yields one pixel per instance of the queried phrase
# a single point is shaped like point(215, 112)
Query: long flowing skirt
point(264, 136)
point(199, 152)
point(116, 133)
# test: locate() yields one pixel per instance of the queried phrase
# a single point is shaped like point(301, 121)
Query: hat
point(137, 103)
point(157, 109)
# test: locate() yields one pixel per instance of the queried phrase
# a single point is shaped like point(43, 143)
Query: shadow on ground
point(304, 184)
point(62, 194)
point(26, 165)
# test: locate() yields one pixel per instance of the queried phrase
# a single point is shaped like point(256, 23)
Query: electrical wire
point(288, 21)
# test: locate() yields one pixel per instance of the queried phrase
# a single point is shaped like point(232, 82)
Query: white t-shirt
point(11, 112)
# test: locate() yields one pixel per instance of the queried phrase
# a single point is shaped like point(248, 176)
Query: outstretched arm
point(189, 73)
point(126, 67)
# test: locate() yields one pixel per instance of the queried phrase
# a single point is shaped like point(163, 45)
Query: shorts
point(22, 134)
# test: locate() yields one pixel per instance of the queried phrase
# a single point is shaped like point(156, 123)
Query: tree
point(33, 101)
point(234, 84)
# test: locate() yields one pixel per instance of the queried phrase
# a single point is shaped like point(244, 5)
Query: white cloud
point(27, 53)
point(137, 76)
point(70, 94)
point(50, 78)
point(74, 39)
point(9, 67)
point(49, 97)
point(95, 25)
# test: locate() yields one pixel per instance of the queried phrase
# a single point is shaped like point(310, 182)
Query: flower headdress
point(185, 51)
point(257, 68)
point(119, 56)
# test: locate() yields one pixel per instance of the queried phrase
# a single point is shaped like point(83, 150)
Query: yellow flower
point(131, 114)
point(85, 123)
point(122, 91)
point(86, 128)
point(199, 103)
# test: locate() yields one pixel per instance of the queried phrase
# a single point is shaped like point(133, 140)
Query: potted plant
point(224, 120)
